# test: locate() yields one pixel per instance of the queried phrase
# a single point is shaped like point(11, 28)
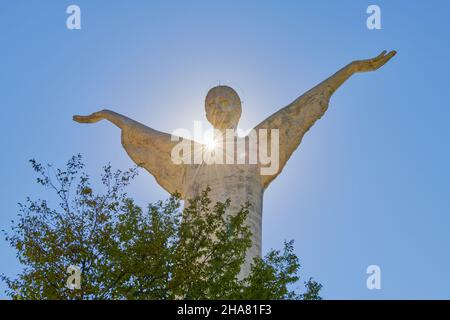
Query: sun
point(210, 143)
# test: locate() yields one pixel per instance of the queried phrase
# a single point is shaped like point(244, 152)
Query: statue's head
point(223, 107)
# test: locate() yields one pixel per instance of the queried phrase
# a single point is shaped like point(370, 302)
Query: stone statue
point(152, 149)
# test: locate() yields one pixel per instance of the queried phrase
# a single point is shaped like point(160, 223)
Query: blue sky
point(370, 183)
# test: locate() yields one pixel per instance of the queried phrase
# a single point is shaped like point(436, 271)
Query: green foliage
point(125, 252)
point(313, 290)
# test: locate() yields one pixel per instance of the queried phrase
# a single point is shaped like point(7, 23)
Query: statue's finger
point(381, 55)
point(80, 118)
point(386, 58)
point(391, 54)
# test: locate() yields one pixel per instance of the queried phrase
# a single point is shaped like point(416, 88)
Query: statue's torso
point(239, 183)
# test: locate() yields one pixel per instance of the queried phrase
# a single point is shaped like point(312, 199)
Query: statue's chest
point(225, 181)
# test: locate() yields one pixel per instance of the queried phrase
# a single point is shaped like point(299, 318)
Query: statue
point(152, 149)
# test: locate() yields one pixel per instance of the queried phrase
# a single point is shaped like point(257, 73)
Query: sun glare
point(210, 143)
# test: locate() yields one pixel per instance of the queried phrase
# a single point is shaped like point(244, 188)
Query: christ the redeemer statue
point(241, 183)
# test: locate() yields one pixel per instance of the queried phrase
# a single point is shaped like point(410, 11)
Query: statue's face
point(223, 107)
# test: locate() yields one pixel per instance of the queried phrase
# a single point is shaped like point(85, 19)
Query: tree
point(125, 252)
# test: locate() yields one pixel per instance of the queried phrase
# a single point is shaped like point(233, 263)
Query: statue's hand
point(372, 64)
point(95, 117)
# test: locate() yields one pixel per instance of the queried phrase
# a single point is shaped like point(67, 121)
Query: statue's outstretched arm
point(298, 117)
point(148, 148)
